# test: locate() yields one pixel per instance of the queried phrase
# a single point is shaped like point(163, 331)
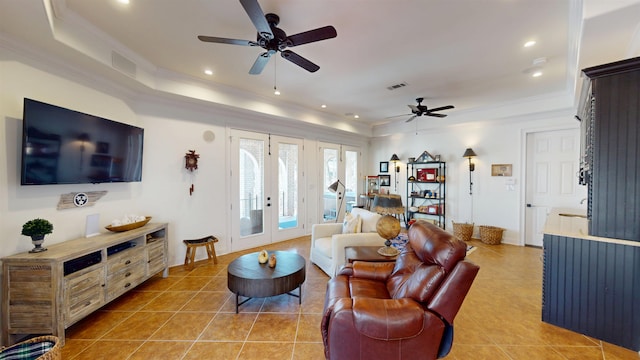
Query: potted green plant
point(37, 229)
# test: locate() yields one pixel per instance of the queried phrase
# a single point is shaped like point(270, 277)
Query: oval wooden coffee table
point(247, 277)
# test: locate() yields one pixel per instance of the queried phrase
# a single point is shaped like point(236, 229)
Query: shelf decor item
point(37, 229)
point(130, 226)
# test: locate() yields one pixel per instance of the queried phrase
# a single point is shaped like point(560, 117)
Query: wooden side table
point(365, 253)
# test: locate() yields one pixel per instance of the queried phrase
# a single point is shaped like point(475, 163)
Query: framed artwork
point(501, 170)
point(385, 180)
point(384, 166)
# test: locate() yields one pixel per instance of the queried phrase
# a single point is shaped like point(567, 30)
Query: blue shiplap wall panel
point(593, 288)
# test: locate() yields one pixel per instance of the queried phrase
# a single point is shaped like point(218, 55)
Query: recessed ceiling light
point(356, 116)
point(208, 72)
point(537, 73)
point(529, 43)
point(324, 106)
point(126, 2)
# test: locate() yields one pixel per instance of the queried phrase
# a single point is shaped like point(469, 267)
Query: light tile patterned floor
point(191, 315)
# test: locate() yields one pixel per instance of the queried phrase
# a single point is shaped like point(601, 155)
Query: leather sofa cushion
point(386, 319)
point(360, 287)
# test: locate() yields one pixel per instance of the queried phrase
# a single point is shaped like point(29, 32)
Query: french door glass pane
point(288, 185)
point(330, 176)
point(351, 179)
point(251, 186)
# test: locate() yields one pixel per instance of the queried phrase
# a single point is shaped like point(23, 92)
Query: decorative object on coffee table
point(263, 257)
point(37, 229)
point(272, 261)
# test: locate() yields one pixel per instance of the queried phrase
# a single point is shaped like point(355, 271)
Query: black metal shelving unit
point(426, 191)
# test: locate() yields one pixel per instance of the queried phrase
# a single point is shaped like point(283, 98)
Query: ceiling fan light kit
point(273, 39)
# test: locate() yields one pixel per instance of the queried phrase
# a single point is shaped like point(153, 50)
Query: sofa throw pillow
point(351, 224)
point(369, 219)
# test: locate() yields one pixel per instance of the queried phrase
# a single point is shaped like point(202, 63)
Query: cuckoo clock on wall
point(191, 163)
point(191, 160)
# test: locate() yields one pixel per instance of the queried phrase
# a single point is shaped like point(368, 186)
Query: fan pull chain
point(275, 76)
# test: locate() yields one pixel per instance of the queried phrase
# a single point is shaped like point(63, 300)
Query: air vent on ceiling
point(397, 86)
point(123, 64)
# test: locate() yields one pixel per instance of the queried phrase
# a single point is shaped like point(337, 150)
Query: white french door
point(266, 178)
point(339, 162)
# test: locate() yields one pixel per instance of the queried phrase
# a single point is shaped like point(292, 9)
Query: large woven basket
point(462, 231)
point(491, 235)
point(33, 348)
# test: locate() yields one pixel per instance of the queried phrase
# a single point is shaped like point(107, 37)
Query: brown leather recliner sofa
point(401, 310)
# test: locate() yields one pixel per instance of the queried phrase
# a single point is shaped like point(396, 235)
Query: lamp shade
point(387, 204)
point(394, 157)
point(469, 153)
point(334, 187)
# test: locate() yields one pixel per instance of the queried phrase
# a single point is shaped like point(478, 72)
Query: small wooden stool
point(192, 245)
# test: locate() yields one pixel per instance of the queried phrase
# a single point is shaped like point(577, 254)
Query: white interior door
point(266, 176)
point(552, 178)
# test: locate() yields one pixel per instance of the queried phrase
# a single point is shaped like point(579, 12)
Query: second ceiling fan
point(273, 39)
point(419, 110)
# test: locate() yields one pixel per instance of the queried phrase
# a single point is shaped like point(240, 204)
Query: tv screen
point(62, 146)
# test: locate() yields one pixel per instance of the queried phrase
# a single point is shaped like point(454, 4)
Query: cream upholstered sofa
point(328, 241)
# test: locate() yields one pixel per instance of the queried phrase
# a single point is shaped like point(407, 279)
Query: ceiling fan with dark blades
point(273, 39)
point(419, 110)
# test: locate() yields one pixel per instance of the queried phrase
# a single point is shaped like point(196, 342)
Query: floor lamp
point(334, 189)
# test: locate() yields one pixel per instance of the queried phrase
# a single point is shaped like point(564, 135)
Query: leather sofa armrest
point(379, 271)
point(448, 299)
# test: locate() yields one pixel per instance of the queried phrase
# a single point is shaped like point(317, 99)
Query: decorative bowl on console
point(130, 226)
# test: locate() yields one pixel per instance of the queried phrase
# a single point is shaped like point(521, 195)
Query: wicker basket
point(21, 349)
point(491, 235)
point(462, 231)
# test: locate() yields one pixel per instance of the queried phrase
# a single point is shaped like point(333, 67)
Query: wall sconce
point(469, 153)
point(394, 159)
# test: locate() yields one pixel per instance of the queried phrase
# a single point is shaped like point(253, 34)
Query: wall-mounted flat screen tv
point(63, 146)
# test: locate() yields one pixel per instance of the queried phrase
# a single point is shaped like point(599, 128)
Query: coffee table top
point(247, 277)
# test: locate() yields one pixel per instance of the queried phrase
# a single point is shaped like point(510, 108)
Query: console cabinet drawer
point(125, 279)
point(118, 262)
point(84, 293)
